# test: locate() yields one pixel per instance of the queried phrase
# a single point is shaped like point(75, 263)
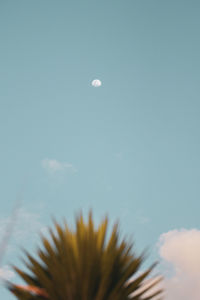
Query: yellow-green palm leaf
point(84, 264)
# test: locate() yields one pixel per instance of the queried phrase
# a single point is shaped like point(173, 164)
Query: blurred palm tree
point(84, 264)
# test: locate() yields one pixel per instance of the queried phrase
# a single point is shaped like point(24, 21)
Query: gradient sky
point(129, 148)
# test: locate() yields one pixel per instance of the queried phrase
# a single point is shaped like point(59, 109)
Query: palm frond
point(83, 264)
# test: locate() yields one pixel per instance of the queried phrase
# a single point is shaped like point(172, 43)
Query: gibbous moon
point(96, 83)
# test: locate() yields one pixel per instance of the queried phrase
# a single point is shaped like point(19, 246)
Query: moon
point(96, 83)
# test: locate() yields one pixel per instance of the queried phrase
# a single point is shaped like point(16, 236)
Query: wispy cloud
point(25, 231)
point(118, 155)
point(53, 166)
point(180, 254)
point(141, 218)
point(6, 273)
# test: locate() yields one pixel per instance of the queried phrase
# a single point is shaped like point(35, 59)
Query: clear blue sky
point(134, 142)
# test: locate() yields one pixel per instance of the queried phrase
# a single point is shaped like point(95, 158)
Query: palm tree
point(84, 264)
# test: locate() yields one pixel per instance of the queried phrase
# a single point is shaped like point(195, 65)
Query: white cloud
point(180, 253)
point(118, 155)
point(143, 220)
point(6, 273)
point(25, 220)
point(30, 220)
point(25, 230)
point(52, 166)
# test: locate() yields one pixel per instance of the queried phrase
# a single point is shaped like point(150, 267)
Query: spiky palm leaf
point(84, 265)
